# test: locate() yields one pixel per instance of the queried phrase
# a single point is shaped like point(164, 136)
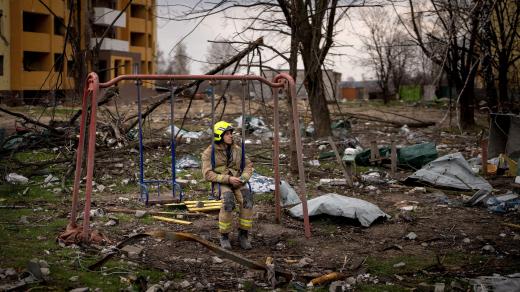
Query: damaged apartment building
point(47, 46)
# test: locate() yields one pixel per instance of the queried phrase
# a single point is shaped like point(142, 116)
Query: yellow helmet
point(220, 128)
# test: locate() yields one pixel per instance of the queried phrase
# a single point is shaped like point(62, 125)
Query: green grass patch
point(35, 156)
point(380, 267)
point(263, 170)
point(267, 198)
point(11, 194)
point(380, 287)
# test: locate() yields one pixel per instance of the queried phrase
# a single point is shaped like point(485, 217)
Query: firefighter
point(228, 169)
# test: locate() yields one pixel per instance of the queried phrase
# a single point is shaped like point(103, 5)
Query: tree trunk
point(318, 103)
point(293, 71)
point(502, 79)
point(467, 104)
point(315, 91)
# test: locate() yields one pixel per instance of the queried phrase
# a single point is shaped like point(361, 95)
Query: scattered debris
point(336, 205)
point(15, 178)
point(449, 171)
point(496, 283)
point(261, 184)
point(411, 236)
point(288, 194)
point(187, 161)
point(171, 220)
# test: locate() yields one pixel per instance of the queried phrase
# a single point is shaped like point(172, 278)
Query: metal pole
point(212, 93)
point(141, 154)
point(93, 87)
point(243, 112)
point(299, 149)
point(172, 136)
point(276, 156)
point(79, 155)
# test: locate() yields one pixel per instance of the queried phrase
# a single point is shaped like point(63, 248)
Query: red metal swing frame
point(76, 234)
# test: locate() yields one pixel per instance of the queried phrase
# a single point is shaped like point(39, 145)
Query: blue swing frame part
point(143, 183)
point(243, 156)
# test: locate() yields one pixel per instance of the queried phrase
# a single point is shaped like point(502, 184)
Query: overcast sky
point(216, 27)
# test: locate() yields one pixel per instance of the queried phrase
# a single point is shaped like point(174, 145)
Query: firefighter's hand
point(235, 181)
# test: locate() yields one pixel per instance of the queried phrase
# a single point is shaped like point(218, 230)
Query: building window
point(138, 11)
point(36, 22)
point(138, 39)
point(1, 65)
point(59, 26)
point(70, 68)
point(35, 61)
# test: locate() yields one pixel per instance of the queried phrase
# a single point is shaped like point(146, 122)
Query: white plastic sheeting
point(261, 184)
point(288, 194)
point(450, 171)
point(496, 283)
point(338, 205)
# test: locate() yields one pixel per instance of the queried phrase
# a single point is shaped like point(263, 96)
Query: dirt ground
point(453, 242)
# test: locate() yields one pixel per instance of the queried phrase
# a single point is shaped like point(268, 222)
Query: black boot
point(224, 241)
point(244, 239)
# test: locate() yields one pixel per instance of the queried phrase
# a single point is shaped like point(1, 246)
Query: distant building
point(32, 42)
point(354, 90)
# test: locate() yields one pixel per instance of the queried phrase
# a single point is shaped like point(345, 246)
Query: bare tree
point(389, 51)
point(218, 52)
point(180, 63)
point(500, 46)
point(311, 27)
point(447, 32)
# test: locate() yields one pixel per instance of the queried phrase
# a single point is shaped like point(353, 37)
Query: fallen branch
point(182, 236)
point(417, 125)
point(31, 121)
point(394, 123)
point(109, 94)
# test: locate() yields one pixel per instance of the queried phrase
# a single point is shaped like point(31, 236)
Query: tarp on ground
point(414, 156)
point(449, 171)
point(418, 155)
point(338, 205)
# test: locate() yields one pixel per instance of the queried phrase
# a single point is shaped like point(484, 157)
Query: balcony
point(36, 41)
point(137, 25)
point(104, 17)
point(140, 50)
point(111, 44)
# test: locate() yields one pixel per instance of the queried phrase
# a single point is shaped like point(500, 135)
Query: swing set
point(75, 233)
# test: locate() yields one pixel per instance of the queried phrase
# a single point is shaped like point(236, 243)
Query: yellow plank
point(204, 209)
point(171, 220)
point(204, 205)
point(209, 201)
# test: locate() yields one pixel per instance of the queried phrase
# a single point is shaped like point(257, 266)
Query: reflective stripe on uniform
point(224, 225)
point(246, 222)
